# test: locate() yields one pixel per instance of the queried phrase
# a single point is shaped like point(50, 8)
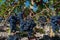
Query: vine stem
point(56, 3)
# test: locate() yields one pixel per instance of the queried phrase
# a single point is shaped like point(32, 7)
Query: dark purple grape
point(12, 20)
point(13, 37)
point(1, 19)
point(42, 20)
point(54, 22)
point(12, 3)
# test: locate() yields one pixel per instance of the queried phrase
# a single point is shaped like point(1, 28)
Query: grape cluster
point(30, 24)
point(20, 15)
point(12, 20)
point(14, 37)
point(26, 25)
point(42, 20)
point(55, 22)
